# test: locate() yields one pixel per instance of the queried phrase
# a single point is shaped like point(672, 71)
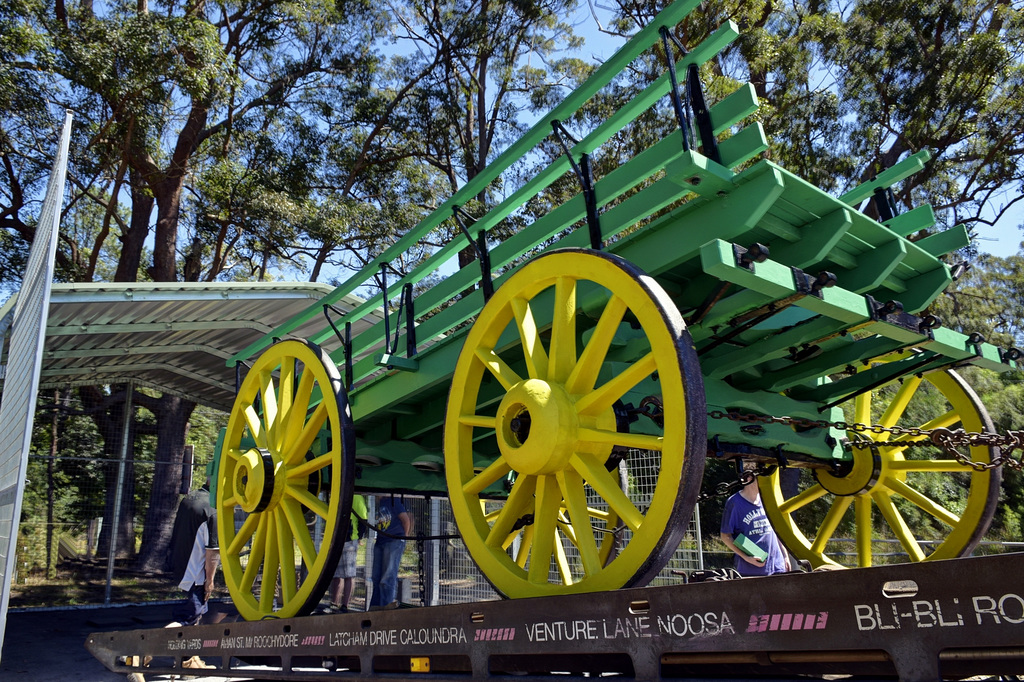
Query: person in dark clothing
point(194, 553)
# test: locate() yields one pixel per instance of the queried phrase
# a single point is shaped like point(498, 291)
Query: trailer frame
point(915, 622)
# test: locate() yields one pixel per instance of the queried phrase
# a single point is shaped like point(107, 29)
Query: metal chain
point(745, 477)
point(947, 439)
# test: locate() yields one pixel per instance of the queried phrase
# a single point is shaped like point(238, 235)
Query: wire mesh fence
point(100, 501)
point(101, 493)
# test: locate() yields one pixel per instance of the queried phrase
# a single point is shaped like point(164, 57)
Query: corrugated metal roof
point(172, 337)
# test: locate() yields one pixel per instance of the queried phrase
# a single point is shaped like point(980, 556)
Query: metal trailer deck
point(916, 622)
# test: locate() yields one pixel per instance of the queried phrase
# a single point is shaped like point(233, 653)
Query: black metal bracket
point(885, 203)
point(238, 374)
point(1010, 355)
point(585, 175)
point(388, 358)
point(813, 286)
point(701, 114)
point(694, 101)
point(479, 246)
point(681, 107)
point(386, 304)
point(346, 341)
point(891, 312)
point(974, 341)
point(746, 257)
point(410, 321)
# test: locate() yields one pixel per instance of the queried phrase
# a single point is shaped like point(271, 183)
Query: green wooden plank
point(700, 175)
point(743, 146)
point(925, 288)
point(875, 268)
point(947, 241)
point(920, 218)
point(734, 108)
point(887, 178)
point(817, 239)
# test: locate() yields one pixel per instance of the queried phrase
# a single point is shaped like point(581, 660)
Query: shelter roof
point(172, 337)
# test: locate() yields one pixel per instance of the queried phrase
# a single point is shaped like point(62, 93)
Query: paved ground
point(49, 646)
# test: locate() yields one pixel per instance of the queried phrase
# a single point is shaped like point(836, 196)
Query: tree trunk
point(172, 415)
point(124, 523)
point(168, 200)
point(133, 241)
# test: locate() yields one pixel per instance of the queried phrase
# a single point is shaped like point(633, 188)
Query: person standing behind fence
point(394, 525)
point(194, 552)
point(344, 575)
point(748, 533)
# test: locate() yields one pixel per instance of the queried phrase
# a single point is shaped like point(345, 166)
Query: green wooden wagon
point(695, 302)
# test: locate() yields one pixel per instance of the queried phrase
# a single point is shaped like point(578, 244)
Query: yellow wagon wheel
point(284, 482)
point(935, 507)
point(535, 387)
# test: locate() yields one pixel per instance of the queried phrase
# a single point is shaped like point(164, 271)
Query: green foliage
point(988, 299)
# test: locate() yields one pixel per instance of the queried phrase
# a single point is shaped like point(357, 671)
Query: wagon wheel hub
point(537, 427)
point(868, 471)
point(258, 481)
point(858, 477)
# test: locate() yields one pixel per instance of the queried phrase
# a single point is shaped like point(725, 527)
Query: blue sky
point(1003, 239)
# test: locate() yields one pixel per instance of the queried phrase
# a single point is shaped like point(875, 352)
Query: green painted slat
point(743, 146)
point(920, 218)
point(925, 288)
point(887, 178)
point(872, 271)
point(817, 239)
point(947, 241)
point(734, 108)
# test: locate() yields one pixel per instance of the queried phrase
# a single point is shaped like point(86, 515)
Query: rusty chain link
point(946, 439)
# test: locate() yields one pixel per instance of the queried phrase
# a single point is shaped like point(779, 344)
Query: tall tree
point(156, 90)
point(482, 62)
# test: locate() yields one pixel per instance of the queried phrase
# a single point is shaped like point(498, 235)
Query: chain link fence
point(100, 498)
point(89, 534)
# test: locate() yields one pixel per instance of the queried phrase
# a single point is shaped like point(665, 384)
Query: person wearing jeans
point(394, 524)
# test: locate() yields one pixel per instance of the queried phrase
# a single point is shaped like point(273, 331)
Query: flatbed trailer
point(940, 620)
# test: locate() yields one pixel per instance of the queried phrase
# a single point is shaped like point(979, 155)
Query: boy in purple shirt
point(744, 515)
